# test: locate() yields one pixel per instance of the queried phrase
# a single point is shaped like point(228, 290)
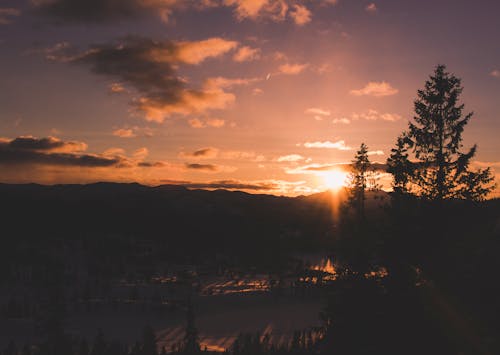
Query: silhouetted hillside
point(181, 219)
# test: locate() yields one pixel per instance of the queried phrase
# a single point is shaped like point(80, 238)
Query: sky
point(256, 95)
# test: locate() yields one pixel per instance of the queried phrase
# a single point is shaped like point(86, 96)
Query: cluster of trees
point(428, 160)
point(438, 244)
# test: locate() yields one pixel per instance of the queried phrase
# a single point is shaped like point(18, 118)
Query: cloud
point(342, 120)
point(52, 151)
point(290, 158)
point(237, 155)
point(317, 111)
point(257, 92)
point(48, 144)
point(279, 56)
point(373, 115)
point(371, 7)
point(6, 15)
point(225, 184)
point(134, 131)
point(31, 152)
point(313, 168)
point(116, 88)
point(204, 153)
point(141, 153)
point(156, 164)
point(220, 82)
point(198, 51)
point(495, 73)
point(211, 122)
point(124, 133)
point(377, 89)
point(330, 2)
point(292, 69)
point(189, 102)
point(255, 9)
point(275, 186)
point(149, 67)
point(376, 152)
point(321, 168)
point(100, 11)
point(215, 122)
point(340, 145)
point(196, 123)
point(246, 54)
point(300, 15)
point(209, 168)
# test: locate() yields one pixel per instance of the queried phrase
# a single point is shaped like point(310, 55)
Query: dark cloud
point(203, 152)
point(45, 144)
point(224, 184)
point(52, 151)
point(149, 66)
point(203, 167)
point(146, 164)
point(91, 10)
point(9, 156)
point(99, 11)
point(140, 62)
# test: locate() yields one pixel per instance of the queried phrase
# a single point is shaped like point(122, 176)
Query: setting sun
point(335, 179)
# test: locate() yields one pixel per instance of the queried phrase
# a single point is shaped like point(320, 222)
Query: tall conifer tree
point(442, 168)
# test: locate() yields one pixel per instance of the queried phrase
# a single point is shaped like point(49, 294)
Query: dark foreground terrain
point(193, 269)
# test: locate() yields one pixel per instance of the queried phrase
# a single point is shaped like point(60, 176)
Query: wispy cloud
point(209, 168)
point(495, 73)
point(292, 69)
point(317, 169)
point(373, 115)
point(117, 88)
point(313, 168)
point(339, 145)
point(203, 153)
point(318, 113)
point(341, 120)
point(300, 14)
point(290, 158)
point(257, 91)
point(377, 89)
point(210, 122)
point(371, 7)
point(246, 54)
point(195, 52)
point(124, 133)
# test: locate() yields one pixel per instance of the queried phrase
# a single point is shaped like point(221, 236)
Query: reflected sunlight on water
point(260, 283)
point(325, 265)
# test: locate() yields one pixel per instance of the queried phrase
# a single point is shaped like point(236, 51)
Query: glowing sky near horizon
point(257, 95)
